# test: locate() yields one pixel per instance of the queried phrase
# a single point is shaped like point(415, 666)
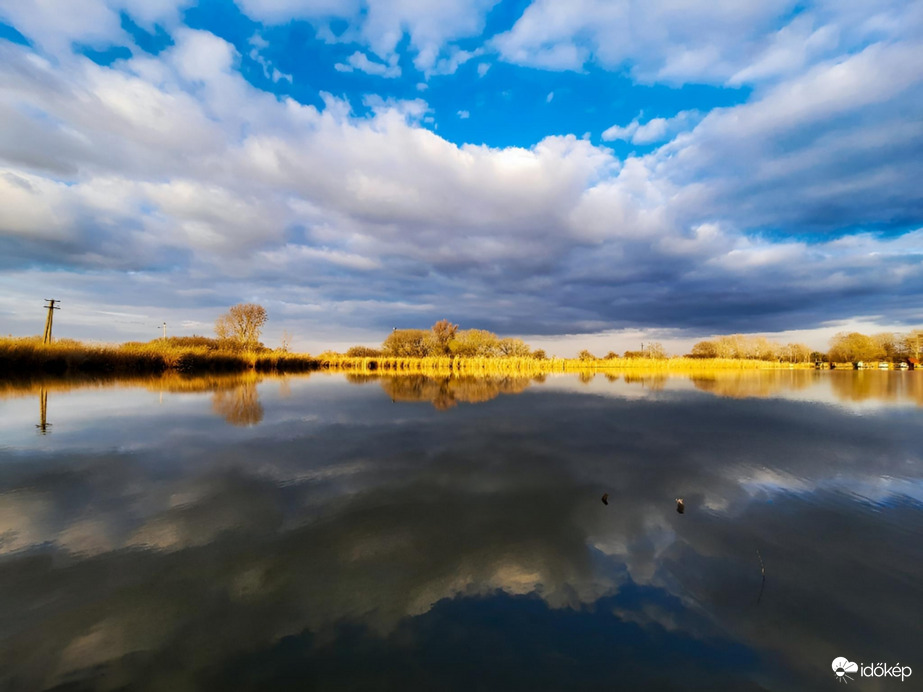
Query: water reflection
point(865, 385)
point(349, 543)
point(654, 381)
point(239, 405)
point(740, 384)
point(842, 386)
point(446, 392)
point(236, 397)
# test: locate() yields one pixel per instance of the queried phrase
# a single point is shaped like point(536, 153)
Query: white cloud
point(617, 132)
point(54, 26)
point(381, 24)
point(360, 61)
point(718, 42)
point(788, 51)
point(550, 97)
point(177, 161)
point(451, 63)
point(660, 39)
point(464, 115)
point(269, 71)
point(654, 130)
point(280, 11)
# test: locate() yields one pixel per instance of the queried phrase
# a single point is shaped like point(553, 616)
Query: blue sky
point(594, 173)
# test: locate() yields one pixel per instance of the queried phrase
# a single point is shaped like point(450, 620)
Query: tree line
point(744, 347)
point(446, 339)
point(241, 326)
point(844, 347)
point(886, 346)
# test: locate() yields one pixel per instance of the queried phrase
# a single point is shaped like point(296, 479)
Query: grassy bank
point(22, 357)
point(28, 356)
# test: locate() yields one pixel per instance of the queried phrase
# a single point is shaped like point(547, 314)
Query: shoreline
point(25, 358)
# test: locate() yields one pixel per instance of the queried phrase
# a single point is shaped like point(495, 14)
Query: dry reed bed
point(25, 357)
point(531, 366)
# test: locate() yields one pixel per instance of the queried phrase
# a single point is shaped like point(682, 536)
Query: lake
point(352, 532)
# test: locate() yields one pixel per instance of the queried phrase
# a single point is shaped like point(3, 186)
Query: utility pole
point(46, 339)
point(164, 331)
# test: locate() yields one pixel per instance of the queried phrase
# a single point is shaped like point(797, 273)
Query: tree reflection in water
point(447, 392)
point(239, 405)
point(864, 385)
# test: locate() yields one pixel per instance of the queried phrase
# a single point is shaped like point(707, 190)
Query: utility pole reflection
point(43, 425)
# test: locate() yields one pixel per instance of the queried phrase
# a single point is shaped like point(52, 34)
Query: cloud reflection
point(335, 540)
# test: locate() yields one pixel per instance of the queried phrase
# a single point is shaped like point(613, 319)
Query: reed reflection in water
point(236, 398)
point(900, 387)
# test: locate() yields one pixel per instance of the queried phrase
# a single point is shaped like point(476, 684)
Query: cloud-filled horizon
point(579, 173)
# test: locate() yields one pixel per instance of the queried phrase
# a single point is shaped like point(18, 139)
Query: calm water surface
point(335, 532)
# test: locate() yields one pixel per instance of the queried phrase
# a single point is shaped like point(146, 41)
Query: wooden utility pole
point(46, 339)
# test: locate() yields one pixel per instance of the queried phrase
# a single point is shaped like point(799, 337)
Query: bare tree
point(242, 325)
point(655, 349)
point(407, 343)
point(285, 343)
point(474, 342)
point(443, 332)
point(854, 347)
point(511, 347)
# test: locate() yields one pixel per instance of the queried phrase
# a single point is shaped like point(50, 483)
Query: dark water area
point(332, 532)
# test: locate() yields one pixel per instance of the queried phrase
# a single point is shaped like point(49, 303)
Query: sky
point(593, 173)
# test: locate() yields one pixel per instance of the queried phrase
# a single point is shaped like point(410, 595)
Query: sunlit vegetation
point(845, 347)
point(444, 348)
point(180, 354)
point(744, 347)
point(890, 347)
point(240, 327)
point(445, 339)
point(363, 352)
point(532, 366)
